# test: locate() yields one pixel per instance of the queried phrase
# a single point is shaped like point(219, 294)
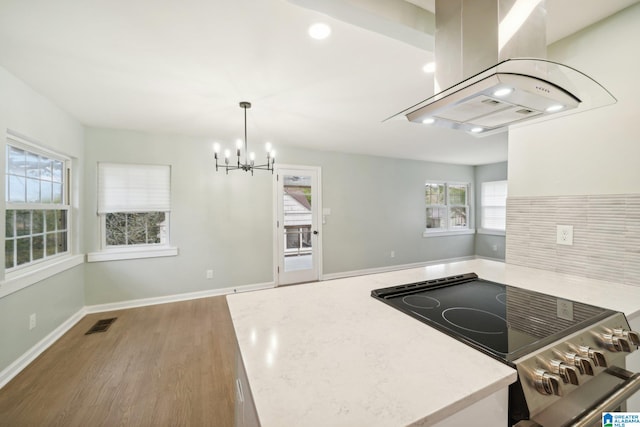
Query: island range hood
point(490, 57)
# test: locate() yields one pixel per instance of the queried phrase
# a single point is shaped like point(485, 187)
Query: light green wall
point(224, 222)
point(377, 206)
point(485, 243)
point(57, 298)
point(597, 151)
point(53, 300)
point(218, 222)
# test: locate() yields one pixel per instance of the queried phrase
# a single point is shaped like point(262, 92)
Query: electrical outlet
point(209, 274)
point(393, 254)
point(32, 321)
point(564, 235)
point(565, 309)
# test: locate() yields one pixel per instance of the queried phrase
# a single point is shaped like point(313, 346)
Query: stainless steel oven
point(570, 356)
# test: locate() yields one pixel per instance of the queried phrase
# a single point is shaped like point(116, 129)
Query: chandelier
point(249, 157)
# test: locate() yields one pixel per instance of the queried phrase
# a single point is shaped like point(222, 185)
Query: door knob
point(315, 231)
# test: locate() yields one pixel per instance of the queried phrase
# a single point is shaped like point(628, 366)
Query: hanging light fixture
point(249, 157)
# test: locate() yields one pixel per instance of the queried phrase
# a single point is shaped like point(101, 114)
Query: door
point(297, 226)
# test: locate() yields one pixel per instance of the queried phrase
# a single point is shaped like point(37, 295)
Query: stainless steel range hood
point(490, 57)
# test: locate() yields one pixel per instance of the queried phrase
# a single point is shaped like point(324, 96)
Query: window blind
point(494, 205)
point(133, 188)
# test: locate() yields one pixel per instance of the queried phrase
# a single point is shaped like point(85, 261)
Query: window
point(37, 207)
point(494, 205)
point(134, 203)
point(447, 207)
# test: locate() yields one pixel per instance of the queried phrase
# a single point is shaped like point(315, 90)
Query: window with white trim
point(37, 218)
point(494, 205)
point(447, 206)
point(134, 203)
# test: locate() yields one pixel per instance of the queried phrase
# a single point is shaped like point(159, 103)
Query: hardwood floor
point(163, 365)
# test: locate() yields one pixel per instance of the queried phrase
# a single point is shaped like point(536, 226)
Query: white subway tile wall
point(606, 235)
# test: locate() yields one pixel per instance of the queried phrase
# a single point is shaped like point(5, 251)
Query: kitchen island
point(327, 353)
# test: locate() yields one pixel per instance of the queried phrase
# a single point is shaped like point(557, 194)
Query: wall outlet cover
point(564, 235)
point(565, 309)
point(32, 321)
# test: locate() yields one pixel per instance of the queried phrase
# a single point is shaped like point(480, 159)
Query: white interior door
point(297, 226)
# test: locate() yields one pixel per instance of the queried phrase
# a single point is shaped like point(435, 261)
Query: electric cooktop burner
point(503, 321)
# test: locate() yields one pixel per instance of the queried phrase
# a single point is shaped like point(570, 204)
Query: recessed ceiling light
point(502, 92)
point(429, 121)
point(319, 31)
point(477, 130)
point(554, 108)
point(429, 67)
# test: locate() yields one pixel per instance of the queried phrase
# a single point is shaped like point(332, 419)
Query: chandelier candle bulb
point(267, 146)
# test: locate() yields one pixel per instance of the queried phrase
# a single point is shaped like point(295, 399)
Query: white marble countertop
point(328, 353)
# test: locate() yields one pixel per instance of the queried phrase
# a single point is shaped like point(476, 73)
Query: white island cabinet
point(245, 409)
point(328, 354)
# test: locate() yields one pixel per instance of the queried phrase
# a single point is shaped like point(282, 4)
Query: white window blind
point(133, 188)
point(494, 205)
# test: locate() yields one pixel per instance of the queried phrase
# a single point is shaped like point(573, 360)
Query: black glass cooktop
point(503, 321)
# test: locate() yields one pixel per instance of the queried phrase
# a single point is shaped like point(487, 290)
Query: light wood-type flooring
point(163, 365)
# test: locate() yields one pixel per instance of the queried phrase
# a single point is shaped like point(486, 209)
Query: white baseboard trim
point(122, 305)
point(489, 258)
point(386, 269)
point(30, 355)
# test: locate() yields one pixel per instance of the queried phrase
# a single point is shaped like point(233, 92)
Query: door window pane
point(293, 239)
point(297, 216)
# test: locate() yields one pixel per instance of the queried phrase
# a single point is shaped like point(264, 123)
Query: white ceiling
point(182, 67)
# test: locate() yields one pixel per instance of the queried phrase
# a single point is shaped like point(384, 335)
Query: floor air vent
point(101, 326)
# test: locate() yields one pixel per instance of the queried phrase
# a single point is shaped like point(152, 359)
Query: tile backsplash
point(606, 235)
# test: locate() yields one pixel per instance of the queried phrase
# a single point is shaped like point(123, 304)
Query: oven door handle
point(620, 394)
